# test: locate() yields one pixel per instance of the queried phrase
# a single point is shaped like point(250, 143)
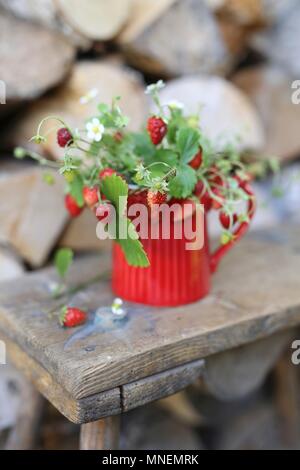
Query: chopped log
point(148, 45)
point(252, 12)
point(109, 79)
point(144, 13)
point(269, 88)
point(150, 428)
point(182, 409)
point(101, 435)
point(11, 383)
point(226, 113)
point(24, 434)
point(32, 59)
point(80, 234)
point(279, 44)
point(95, 20)
point(10, 265)
point(256, 427)
point(235, 374)
point(33, 216)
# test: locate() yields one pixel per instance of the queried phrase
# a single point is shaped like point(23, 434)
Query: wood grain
point(81, 411)
point(101, 435)
point(160, 385)
point(256, 293)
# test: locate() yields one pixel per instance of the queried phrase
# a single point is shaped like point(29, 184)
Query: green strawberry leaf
point(164, 160)
point(183, 184)
point(133, 248)
point(167, 156)
point(76, 188)
point(115, 190)
point(188, 143)
point(144, 147)
point(63, 260)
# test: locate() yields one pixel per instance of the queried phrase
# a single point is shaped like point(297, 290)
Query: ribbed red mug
point(176, 276)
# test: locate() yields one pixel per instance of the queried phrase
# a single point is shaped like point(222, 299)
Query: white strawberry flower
point(155, 87)
point(95, 130)
point(174, 104)
point(90, 96)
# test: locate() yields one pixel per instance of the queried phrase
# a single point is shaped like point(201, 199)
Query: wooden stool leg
point(287, 391)
point(101, 435)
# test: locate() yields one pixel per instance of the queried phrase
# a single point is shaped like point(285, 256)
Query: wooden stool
point(154, 353)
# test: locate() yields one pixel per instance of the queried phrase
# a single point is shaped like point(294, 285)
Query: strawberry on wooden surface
point(72, 317)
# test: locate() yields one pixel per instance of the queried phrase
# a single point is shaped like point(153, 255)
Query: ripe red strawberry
point(107, 172)
point(103, 211)
point(157, 129)
point(206, 200)
point(118, 137)
point(90, 196)
point(199, 188)
point(71, 317)
point(72, 206)
point(64, 137)
point(156, 198)
point(242, 182)
point(226, 220)
point(139, 197)
point(197, 160)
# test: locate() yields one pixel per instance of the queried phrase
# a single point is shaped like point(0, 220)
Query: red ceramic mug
point(176, 276)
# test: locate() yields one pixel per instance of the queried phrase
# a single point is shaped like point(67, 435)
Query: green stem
point(78, 288)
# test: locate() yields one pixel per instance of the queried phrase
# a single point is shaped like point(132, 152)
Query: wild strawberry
point(71, 317)
point(139, 197)
point(156, 198)
point(197, 160)
point(243, 181)
point(64, 137)
point(216, 181)
point(72, 206)
point(157, 129)
point(69, 176)
point(118, 137)
point(206, 200)
point(107, 172)
point(199, 188)
point(227, 221)
point(103, 211)
point(90, 196)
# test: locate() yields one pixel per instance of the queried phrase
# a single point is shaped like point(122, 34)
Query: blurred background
point(238, 59)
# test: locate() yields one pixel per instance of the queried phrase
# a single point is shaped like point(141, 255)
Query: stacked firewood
point(236, 58)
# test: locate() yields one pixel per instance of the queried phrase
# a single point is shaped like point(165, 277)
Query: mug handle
point(217, 256)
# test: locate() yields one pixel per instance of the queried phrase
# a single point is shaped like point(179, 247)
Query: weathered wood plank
point(160, 385)
point(81, 411)
point(101, 435)
point(256, 293)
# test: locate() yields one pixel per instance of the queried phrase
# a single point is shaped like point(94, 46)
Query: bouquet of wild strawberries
point(171, 159)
